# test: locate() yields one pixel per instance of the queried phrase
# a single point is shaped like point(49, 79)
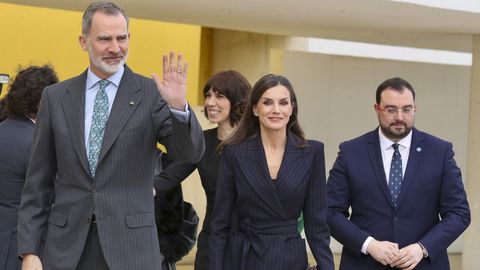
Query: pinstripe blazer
point(55, 214)
point(267, 235)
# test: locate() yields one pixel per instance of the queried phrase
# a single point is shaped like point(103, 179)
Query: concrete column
point(246, 52)
point(472, 235)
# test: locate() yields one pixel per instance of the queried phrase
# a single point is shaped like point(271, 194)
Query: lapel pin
point(419, 149)
point(133, 104)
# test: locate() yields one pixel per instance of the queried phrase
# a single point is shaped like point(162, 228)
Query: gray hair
point(103, 6)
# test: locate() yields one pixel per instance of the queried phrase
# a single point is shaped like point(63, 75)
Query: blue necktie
point(97, 129)
point(396, 175)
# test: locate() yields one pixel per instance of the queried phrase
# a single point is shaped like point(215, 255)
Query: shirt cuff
point(365, 244)
point(181, 116)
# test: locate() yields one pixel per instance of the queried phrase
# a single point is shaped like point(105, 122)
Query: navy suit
point(16, 135)
point(432, 207)
point(267, 211)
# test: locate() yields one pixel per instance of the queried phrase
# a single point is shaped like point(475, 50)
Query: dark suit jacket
point(267, 235)
point(121, 192)
point(432, 187)
point(16, 136)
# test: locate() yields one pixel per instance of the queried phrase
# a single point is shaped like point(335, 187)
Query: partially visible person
point(4, 79)
point(87, 201)
point(268, 175)
point(225, 96)
point(16, 135)
point(395, 194)
point(3, 109)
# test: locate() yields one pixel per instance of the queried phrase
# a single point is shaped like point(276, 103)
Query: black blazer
point(15, 142)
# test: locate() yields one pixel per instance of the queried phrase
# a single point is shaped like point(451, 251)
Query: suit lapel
point(74, 110)
point(294, 168)
point(256, 172)
point(375, 155)
point(126, 101)
point(414, 158)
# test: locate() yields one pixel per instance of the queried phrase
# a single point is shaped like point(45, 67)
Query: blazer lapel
point(74, 110)
point(375, 155)
point(294, 168)
point(126, 101)
point(414, 158)
point(256, 171)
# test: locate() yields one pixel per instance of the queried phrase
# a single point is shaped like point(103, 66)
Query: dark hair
point(397, 84)
point(234, 87)
point(26, 90)
point(249, 125)
point(103, 6)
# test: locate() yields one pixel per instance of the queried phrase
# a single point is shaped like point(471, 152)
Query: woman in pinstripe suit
point(269, 174)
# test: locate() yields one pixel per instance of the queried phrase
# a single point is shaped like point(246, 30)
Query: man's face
point(396, 113)
point(106, 43)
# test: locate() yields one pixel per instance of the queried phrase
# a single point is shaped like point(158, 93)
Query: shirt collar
point(386, 142)
point(115, 78)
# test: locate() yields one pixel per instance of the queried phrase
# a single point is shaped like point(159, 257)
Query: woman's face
point(218, 107)
point(274, 109)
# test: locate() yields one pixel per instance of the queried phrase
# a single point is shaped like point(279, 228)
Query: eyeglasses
point(408, 110)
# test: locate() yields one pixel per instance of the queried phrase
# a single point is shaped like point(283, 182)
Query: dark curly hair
point(26, 90)
point(234, 87)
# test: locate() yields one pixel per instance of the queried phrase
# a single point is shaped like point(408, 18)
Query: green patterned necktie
point(97, 129)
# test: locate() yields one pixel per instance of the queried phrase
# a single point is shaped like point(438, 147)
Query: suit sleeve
point(453, 205)
point(315, 212)
point(38, 194)
point(183, 140)
point(224, 206)
point(339, 202)
point(171, 176)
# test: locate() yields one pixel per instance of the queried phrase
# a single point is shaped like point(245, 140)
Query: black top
point(208, 170)
point(208, 166)
point(175, 173)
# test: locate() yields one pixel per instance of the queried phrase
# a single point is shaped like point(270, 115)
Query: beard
point(393, 132)
point(104, 66)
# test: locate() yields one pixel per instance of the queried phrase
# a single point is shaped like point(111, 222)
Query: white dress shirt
point(387, 154)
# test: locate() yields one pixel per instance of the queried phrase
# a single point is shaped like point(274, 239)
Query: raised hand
point(173, 87)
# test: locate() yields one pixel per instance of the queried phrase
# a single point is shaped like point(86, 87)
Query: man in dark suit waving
point(88, 197)
point(404, 189)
